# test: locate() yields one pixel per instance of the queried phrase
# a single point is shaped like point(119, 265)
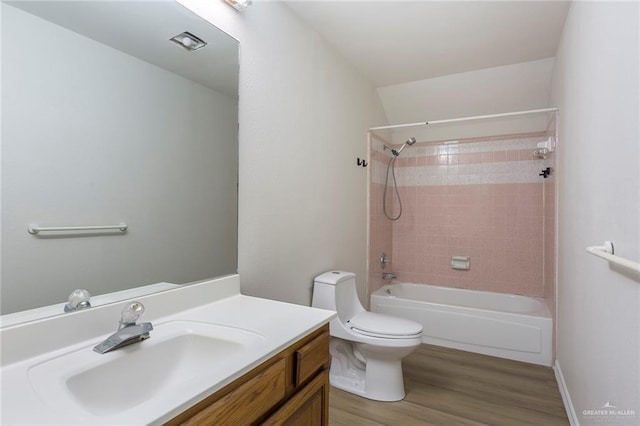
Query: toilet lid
point(386, 326)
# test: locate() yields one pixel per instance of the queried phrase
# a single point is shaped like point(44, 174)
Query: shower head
point(409, 142)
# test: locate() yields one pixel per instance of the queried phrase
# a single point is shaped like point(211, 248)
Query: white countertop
point(217, 301)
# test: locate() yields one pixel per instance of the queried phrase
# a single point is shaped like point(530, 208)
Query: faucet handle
point(78, 299)
point(384, 260)
point(131, 313)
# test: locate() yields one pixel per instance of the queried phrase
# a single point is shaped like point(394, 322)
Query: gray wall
point(304, 114)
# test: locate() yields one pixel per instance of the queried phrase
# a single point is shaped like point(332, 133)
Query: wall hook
point(362, 163)
point(545, 172)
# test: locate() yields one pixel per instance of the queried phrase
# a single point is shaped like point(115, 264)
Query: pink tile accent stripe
point(463, 158)
point(481, 139)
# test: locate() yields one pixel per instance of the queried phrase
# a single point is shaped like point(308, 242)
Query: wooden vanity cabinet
point(290, 388)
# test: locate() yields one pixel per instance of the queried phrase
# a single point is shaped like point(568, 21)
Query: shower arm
point(409, 142)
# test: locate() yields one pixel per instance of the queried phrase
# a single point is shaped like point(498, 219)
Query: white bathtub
point(502, 325)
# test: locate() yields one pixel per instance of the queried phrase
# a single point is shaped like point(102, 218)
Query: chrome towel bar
point(34, 229)
point(606, 252)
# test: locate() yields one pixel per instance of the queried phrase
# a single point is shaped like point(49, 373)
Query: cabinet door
point(247, 403)
point(308, 407)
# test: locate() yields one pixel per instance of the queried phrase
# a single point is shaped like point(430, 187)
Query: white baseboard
point(566, 398)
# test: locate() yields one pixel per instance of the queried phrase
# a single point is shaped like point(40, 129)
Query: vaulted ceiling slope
point(393, 42)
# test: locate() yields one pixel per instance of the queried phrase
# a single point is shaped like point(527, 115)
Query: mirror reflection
point(105, 120)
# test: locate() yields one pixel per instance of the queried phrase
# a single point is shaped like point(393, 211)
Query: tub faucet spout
point(389, 276)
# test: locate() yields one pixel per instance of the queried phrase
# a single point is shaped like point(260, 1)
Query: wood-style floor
point(450, 387)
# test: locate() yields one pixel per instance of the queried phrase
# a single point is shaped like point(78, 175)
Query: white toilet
point(366, 347)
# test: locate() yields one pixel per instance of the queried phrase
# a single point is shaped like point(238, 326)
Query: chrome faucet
point(78, 299)
point(128, 331)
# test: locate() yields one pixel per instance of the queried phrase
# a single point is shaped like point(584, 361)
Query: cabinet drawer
point(248, 402)
point(311, 357)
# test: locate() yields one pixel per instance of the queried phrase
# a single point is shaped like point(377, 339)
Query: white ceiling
point(394, 42)
point(143, 29)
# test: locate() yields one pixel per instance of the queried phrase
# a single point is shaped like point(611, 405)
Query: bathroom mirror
point(105, 120)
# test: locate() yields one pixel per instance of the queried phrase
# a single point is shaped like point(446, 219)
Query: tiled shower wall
point(380, 228)
point(481, 198)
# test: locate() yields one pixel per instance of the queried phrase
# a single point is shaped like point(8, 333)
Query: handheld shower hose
point(392, 165)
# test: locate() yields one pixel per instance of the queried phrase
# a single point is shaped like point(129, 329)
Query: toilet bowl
point(366, 348)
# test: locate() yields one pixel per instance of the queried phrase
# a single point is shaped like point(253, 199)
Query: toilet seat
point(384, 326)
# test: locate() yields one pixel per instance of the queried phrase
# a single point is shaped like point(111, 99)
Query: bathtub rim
point(544, 311)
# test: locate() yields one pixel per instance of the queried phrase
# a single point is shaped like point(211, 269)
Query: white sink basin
point(176, 356)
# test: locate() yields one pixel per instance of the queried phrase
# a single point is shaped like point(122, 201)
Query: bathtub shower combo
point(504, 325)
point(469, 225)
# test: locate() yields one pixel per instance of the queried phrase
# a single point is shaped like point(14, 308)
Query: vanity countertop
point(27, 346)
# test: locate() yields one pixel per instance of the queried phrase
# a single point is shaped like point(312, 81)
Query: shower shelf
point(606, 252)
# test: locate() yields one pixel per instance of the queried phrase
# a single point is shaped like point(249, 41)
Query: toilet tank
point(336, 291)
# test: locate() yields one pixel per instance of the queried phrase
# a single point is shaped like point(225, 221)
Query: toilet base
point(380, 378)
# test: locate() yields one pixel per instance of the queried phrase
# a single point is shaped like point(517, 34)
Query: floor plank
point(450, 387)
